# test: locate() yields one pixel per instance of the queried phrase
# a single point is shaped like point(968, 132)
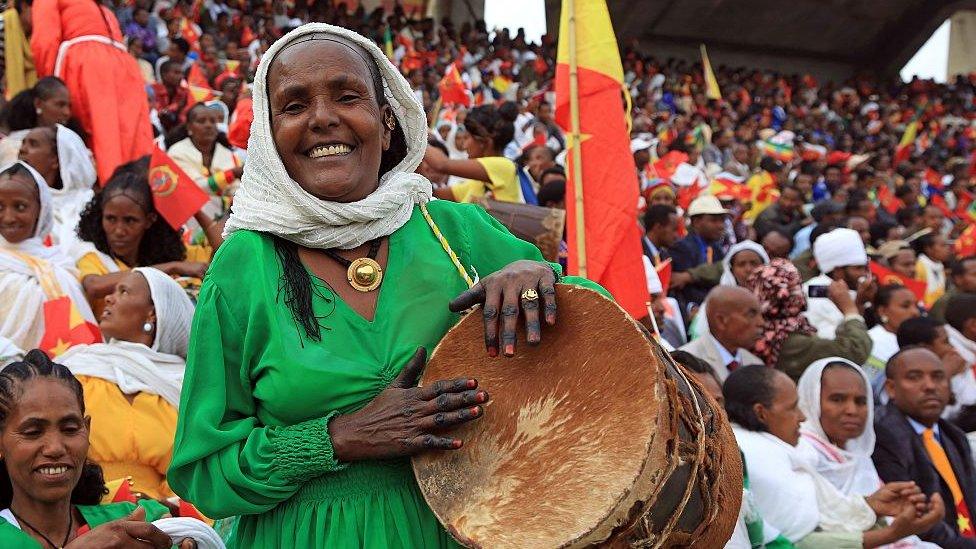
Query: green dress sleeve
point(224, 460)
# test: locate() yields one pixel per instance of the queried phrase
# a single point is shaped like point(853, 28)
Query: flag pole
point(574, 114)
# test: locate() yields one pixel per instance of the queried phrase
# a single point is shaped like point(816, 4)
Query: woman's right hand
point(130, 532)
point(193, 269)
point(405, 420)
point(910, 522)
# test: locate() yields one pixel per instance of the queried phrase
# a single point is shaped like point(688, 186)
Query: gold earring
point(390, 122)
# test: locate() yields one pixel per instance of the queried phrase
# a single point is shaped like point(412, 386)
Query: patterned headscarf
point(777, 286)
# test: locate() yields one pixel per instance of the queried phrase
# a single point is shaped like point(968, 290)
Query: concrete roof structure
point(828, 38)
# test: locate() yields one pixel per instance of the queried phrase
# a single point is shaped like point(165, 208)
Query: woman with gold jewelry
point(299, 404)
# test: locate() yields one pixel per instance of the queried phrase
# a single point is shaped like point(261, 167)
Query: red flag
point(190, 34)
point(668, 163)
point(452, 88)
point(239, 130)
point(664, 273)
point(196, 77)
point(175, 195)
point(64, 327)
point(886, 276)
point(887, 199)
point(119, 490)
point(966, 243)
point(599, 156)
point(939, 202)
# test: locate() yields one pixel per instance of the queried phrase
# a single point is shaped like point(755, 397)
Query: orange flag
point(886, 276)
point(195, 77)
point(175, 195)
point(611, 237)
point(452, 88)
point(64, 327)
point(664, 274)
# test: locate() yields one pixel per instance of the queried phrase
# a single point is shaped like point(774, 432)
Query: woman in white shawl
point(132, 383)
point(837, 437)
point(893, 304)
point(789, 493)
point(61, 157)
point(742, 258)
point(30, 272)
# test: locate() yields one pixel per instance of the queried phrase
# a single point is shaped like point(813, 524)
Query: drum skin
point(588, 440)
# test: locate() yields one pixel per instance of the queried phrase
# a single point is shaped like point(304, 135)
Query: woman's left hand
point(890, 498)
point(521, 285)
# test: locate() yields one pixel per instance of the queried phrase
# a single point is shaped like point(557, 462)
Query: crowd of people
point(809, 251)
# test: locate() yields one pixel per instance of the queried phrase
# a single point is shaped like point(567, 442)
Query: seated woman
point(485, 170)
point(30, 272)
point(893, 304)
point(61, 157)
point(133, 382)
point(790, 494)
point(125, 231)
point(46, 104)
point(837, 437)
point(933, 251)
point(789, 342)
point(52, 498)
point(204, 153)
point(741, 259)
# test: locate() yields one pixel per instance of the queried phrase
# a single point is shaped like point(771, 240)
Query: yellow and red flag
point(887, 277)
point(966, 243)
point(711, 84)
point(200, 94)
point(64, 327)
point(602, 162)
point(175, 195)
point(904, 149)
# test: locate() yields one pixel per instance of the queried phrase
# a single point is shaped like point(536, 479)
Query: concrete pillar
point(962, 43)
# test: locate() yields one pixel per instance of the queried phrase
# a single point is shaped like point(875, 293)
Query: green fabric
point(851, 341)
point(802, 263)
point(252, 438)
point(707, 274)
point(12, 537)
point(831, 540)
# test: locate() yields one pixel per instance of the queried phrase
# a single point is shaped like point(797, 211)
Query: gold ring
point(530, 295)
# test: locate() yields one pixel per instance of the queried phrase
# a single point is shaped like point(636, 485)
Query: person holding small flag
point(41, 302)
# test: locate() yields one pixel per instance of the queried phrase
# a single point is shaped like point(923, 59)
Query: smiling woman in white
point(132, 383)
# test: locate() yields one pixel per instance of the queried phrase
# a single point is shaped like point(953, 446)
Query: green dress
point(12, 537)
point(252, 435)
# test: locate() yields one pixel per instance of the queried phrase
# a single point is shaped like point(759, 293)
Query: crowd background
point(825, 230)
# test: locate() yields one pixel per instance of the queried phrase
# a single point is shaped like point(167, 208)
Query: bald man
point(734, 323)
point(914, 443)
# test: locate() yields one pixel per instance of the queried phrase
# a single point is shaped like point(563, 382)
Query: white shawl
point(269, 200)
point(190, 159)
point(964, 383)
point(850, 469)
point(22, 268)
point(134, 367)
point(77, 178)
point(791, 495)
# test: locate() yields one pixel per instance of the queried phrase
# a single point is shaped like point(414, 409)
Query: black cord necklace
point(364, 274)
point(71, 521)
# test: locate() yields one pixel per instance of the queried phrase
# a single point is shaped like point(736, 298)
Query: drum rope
point(699, 457)
point(447, 248)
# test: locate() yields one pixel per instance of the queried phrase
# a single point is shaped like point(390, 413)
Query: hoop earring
point(390, 122)
point(147, 327)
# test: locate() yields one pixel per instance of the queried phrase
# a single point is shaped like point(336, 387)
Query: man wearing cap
point(640, 147)
point(702, 246)
point(840, 255)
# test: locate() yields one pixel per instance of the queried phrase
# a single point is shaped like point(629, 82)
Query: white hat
point(706, 205)
point(839, 248)
point(641, 143)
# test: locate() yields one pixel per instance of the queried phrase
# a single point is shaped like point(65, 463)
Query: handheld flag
point(452, 88)
point(195, 77)
point(175, 195)
point(904, 148)
point(711, 84)
point(886, 277)
point(887, 199)
point(64, 327)
point(388, 43)
point(604, 240)
point(966, 243)
point(199, 94)
point(664, 273)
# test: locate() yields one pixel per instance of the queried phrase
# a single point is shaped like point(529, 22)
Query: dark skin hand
point(405, 420)
point(501, 295)
point(130, 532)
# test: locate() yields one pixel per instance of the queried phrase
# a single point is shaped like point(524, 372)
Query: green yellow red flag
point(711, 84)
point(604, 243)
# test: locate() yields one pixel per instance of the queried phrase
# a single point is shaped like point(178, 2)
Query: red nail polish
point(472, 384)
point(493, 352)
point(481, 397)
point(456, 444)
point(475, 410)
point(510, 349)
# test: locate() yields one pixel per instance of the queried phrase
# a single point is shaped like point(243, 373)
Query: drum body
point(593, 437)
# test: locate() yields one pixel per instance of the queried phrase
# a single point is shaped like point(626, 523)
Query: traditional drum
point(593, 437)
point(536, 224)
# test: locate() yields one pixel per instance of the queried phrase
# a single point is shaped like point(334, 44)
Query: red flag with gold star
point(175, 195)
point(64, 327)
point(966, 243)
point(887, 277)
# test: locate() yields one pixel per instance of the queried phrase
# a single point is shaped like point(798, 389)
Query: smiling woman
point(300, 372)
point(30, 272)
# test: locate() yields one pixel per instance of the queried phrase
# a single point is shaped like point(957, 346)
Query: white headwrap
point(850, 469)
point(839, 248)
point(728, 279)
point(77, 178)
point(134, 367)
point(174, 312)
point(269, 200)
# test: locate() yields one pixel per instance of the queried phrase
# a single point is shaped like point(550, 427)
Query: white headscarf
point(728, 279)
point(77, 178)
point(850, 469)
point(135, 368)
point(269, 200)
point(839, 248)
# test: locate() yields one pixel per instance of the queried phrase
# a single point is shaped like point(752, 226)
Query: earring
point(147, 327)
point(38, 110)
point(884, 319)
point(390, 122)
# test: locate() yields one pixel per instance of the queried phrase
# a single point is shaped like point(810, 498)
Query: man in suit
point(914, 443)
point(735, 322)
point(702, 248)
point(660, 232)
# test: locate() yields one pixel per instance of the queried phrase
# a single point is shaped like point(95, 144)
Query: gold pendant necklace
point(364, 274)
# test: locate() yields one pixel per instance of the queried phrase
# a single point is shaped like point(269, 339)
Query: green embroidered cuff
point(304, 451)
